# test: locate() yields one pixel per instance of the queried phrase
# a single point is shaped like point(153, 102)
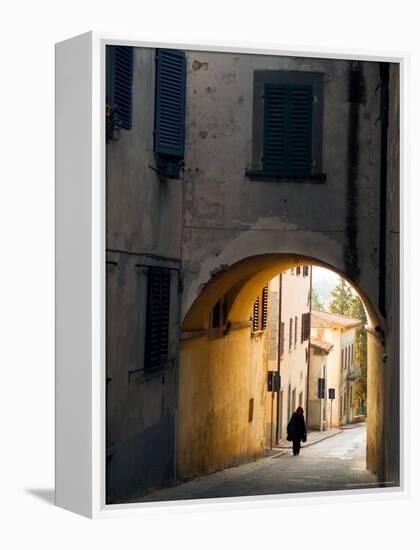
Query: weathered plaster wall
point(143, 228)
point(295, 300)
point(213, 219)
point(394, 366)
point(314, 413)
point(228, 217)
point(218, 377)
point(375, 456)
point(143, 212)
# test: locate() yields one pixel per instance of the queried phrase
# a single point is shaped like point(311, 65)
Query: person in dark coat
point(296, 430)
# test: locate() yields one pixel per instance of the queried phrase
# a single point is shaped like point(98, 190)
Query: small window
point(305, 270)
point(219, 314)
point(306, 326)
point(256, 314)
point(264, 312)
point(260, 311)
point(296, 330)
point(157, 318)
point(287, 129)
point(298, 270)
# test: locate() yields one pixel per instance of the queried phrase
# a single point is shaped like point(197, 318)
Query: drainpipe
point(309, 346)
point(384, 118)
point(278, 427)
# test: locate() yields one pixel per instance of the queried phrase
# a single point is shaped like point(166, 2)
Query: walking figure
point(296, 430)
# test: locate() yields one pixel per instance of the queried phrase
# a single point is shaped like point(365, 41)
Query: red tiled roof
point(321, 345)
point(325, 319)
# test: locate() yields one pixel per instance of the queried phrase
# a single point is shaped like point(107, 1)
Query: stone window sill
point(260, 175)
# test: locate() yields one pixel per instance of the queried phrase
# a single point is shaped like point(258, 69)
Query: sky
point(324, 281)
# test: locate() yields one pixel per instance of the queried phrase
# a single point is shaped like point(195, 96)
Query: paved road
point(335, 463)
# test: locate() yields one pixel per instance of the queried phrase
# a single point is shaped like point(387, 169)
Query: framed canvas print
point(228, 274)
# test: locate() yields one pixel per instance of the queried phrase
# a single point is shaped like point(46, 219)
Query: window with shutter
point(119, 85)
point(306, 326)
point(287, 126)
point(157, 318)
point(287, 130)
point(264, 312)
point(255, 315)
point(170, 108)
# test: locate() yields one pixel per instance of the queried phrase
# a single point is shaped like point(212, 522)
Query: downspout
point(309, 346)
point(278, 363)
point(384, 117)
point(180, 288)
point(356, 98)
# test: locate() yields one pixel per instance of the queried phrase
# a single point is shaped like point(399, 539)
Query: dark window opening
point(287, 129)
point(157, 318)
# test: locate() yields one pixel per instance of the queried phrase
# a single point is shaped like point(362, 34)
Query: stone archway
point(214, 373)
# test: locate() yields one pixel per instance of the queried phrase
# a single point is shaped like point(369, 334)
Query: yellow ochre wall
point(218, 377)
point(375, 406)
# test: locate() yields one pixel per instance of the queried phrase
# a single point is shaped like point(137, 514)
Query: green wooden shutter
point(287, 148)
point(120, 83)
point(170, 102)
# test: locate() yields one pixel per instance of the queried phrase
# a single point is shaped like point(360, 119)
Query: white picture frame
point(80, 275)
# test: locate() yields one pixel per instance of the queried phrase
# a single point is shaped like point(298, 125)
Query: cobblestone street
point(337, 462)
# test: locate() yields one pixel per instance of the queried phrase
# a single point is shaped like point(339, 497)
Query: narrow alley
point(335, 463)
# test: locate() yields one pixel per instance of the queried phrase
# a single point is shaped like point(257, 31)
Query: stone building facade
point(333, 361)
point(223, 170)
point(290, 304)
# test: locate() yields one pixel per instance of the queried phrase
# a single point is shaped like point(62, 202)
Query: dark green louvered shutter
point(287, 129)
point(157, 318)
point(120, 84)
point(170, 103)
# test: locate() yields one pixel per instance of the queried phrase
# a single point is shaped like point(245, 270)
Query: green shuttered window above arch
point(287, 146)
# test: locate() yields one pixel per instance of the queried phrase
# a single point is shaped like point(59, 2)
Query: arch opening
point(227, 415)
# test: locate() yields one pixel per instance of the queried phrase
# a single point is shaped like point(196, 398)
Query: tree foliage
point(345, 302)
point(316, 302)
point(341, 298)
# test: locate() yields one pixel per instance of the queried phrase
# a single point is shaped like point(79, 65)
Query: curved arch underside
point(242, 282)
